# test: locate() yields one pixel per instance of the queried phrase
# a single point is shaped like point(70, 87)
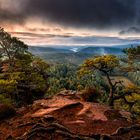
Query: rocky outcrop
point(67, 117)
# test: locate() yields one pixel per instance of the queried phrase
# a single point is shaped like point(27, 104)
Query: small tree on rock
point(106, 65)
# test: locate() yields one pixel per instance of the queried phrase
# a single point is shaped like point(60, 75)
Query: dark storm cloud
point(37, 35)
point(6, 16)
point(84, 13)
point(131, 30)
point(12, 11)
point(90, 13)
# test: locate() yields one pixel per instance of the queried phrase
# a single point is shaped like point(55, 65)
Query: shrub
point(6, 111)
point(90, 95)
point(5, 100)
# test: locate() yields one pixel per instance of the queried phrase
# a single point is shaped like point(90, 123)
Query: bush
point(6, 111)
point(5, 100)
point(90, 95)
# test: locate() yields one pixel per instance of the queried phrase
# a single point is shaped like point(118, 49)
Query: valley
point(75, 54)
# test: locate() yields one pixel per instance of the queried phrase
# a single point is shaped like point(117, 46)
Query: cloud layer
point(51, 39)
point(130, 31)
point(100, 14)
point(105, 21)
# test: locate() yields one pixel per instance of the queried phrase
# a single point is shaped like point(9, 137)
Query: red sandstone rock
point(66, 116)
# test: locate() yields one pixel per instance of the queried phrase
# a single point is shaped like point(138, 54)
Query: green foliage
point(23, 78)
point(131, 102)
point(132, 64)
point(62, 76)
point(105, 65)
point(133, 52)
point(24, 86)
point(11, 48)
point(7, 86)
point(102, 63)
point(5, 100)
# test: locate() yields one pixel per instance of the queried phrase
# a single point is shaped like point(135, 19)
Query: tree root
point(124, 130)
point(27, 124)
point(44, 129)
point(73, 136)
point(59, 126)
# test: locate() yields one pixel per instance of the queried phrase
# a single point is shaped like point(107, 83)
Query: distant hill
point(102, 50)
point(59, 55)
point(74, 54)
point(38, 50)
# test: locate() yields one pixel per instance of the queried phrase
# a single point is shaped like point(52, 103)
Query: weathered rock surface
point(67, 117)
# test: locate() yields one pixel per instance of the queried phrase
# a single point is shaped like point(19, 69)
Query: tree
point(63, 76)
point(23, 77)
point(132, 67)
point(11, 48)
point(41, 67)
point(106, 65)
point(131, 64)
point(117, 91)
point(133, 53)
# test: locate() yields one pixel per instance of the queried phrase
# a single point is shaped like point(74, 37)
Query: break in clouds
point(99, 14)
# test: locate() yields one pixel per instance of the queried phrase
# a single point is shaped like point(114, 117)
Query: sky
point(72, 22)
